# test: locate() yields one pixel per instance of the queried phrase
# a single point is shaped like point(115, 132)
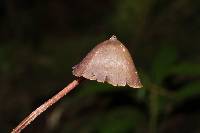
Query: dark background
point(40, 41)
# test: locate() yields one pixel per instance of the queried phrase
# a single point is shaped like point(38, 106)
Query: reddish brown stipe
point(110, 61)
point(23, 124)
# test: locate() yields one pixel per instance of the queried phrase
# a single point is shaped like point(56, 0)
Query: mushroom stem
point(46, 105)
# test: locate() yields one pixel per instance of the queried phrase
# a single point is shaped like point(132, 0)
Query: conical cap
point(110, 61)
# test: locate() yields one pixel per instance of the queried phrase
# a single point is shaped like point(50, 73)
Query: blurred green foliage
point(41, 40)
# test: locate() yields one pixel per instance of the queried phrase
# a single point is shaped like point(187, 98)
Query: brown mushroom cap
point(109, 61)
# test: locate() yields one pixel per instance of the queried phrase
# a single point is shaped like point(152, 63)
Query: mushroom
point(110, 61)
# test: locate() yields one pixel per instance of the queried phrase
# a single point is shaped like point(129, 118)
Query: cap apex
point(113, 37)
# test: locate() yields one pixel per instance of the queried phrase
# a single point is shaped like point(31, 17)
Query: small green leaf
point(186, 68)
point(163, 62)
point(188, 91)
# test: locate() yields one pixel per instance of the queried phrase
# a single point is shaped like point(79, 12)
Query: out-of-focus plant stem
point(153, 111)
